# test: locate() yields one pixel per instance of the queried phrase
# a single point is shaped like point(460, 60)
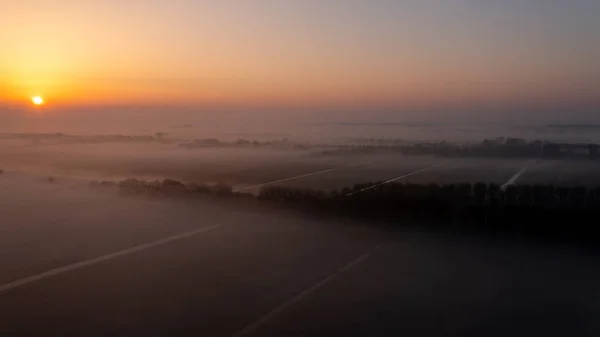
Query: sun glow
point(37, 100)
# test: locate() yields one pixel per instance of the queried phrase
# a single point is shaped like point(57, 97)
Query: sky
point(384, 55)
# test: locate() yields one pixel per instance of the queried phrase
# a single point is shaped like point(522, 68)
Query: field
point(250, 169)
point(77, 261)
point(105, 264)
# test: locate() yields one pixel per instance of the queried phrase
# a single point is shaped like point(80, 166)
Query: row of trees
point(479, 194)
point(489, 148)
point(244, 143)
point(71, 138)
point(167, 187)
point(540, 211)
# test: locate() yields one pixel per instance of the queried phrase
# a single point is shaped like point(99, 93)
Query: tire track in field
point(299, 177)
point(96, 260)
point(406, 175)
point(517, 175)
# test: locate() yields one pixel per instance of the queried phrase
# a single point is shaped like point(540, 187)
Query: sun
point(37, 100)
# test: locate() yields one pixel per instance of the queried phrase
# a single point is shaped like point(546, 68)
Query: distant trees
point(207, 142)
point(489, 148)
point(160, 135)
point(242, 142)
point(103, 184)
point(167, 187)
point(222, 189)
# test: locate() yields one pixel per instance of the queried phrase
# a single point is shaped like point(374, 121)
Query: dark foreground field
point(79, 262)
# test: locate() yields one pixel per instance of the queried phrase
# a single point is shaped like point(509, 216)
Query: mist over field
point(319, 215)
point(149, 146)
point(299, 168)
point(260, 255)
point(311, 126)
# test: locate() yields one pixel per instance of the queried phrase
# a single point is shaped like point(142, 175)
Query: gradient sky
point(310, 53)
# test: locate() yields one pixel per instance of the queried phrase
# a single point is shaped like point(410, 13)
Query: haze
point(299, 168)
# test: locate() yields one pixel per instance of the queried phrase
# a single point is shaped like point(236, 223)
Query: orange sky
point(338, 53)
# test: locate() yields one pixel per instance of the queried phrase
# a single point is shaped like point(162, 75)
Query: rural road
point(149, 268)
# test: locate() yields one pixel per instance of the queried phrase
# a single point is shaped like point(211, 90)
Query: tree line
point(530, 211)
point(535, 211)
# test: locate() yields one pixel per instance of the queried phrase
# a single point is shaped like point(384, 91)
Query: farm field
point(250, 169)
point(420, 170)
point(215, 269)
point(564, 173)
point(360, 170)
point(279, 268)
